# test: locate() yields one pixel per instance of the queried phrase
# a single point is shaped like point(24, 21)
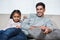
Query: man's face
point(40, 10)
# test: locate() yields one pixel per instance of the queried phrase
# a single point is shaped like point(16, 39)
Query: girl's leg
point(20, 36)
point(10, 32)
point(1, 34)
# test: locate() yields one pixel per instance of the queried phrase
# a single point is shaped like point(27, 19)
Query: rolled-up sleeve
point(28, 21)
point(50, 25)
point(26, 24)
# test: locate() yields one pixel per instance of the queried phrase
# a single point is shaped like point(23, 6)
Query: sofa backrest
point(4, 18)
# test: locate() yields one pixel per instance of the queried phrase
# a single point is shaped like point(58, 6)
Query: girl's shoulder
point(10, 21)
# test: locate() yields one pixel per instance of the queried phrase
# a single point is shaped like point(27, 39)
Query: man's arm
point(50, 25)
point(27, 23)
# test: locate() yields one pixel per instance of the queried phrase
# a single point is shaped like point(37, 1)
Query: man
point(39, 22)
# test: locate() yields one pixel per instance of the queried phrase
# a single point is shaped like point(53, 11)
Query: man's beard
point(40, 15)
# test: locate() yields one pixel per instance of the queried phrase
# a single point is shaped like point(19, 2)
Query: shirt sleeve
point(9, 24)
point(50, 25)
point(26, 23)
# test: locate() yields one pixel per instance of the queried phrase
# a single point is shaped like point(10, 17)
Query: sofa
point(4, 18)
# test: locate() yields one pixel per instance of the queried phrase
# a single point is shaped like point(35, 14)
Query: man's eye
point(37, 9)
point(17, 16)
point(41, 9)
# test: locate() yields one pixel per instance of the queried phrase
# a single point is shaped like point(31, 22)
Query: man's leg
point(55, 35)
point(41, 36)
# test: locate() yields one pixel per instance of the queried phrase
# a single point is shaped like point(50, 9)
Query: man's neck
point(40, 16)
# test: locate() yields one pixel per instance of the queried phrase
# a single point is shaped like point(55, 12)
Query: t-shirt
point(12, 24)
point(34, 20)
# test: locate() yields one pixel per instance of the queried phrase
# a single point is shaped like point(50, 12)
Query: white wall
point(7, 6)
point(52, 6)
point(28, 6)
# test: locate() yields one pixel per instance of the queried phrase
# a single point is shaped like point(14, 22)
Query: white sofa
point(4, 18)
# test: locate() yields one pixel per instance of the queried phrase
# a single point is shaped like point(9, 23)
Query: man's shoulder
point(46, 18)
point(32, 14)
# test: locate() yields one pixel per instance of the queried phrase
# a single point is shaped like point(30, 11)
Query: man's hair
point(40, 4)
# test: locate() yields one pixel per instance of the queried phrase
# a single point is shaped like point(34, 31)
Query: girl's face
point(16, 17)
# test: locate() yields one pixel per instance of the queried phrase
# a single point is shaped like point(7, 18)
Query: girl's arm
point(9, 24)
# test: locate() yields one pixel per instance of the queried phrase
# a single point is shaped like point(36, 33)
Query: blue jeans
point(12, 32)
point(20, 36)
point(1, 33)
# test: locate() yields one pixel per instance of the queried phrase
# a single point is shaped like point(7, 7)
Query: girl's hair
point(15, 11)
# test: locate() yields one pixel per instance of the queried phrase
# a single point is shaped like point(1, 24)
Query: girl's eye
point(16, 16)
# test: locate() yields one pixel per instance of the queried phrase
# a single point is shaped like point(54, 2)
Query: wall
point(28, 6)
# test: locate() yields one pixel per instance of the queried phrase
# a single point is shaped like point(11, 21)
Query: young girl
point(13, 30)
point(15, 19)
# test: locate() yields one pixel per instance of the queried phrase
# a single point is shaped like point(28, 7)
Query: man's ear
point(44, 10)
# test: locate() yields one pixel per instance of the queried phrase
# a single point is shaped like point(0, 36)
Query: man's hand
point(31, 27)
point(47, 30)
point(43, 28)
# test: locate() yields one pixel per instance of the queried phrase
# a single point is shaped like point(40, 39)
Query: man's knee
point(51, 36)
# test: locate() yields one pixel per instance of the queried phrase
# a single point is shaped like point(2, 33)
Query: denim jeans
point(11, 32)
point(20, 36)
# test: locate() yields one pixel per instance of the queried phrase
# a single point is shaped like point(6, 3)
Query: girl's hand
point(17, 26)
